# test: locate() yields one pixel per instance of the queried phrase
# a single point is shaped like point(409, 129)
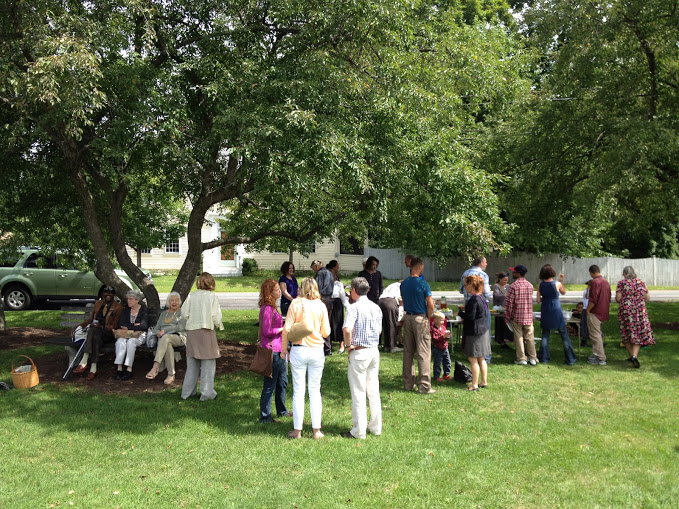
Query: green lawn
point(253, 283)
point(545, 437)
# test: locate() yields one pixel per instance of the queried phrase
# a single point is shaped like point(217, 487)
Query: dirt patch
point(235, 357)
point(666, 325)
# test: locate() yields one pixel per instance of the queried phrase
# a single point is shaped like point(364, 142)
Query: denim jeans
point(569, 353)
point(441, 355)
point(278, 383)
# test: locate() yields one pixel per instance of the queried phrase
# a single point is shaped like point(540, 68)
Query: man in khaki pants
point(597, 312)
point(519, 316)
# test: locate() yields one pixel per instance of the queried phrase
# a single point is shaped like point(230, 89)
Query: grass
point(550, 436)
point(253, 283)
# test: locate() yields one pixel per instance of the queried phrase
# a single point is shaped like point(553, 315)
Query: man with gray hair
point(362, 327)
point(326, 283)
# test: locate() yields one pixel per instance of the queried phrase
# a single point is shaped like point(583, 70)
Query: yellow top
point(319, 319)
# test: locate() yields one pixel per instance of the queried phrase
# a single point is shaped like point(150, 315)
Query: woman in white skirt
point(306, 355)
point(203, 315)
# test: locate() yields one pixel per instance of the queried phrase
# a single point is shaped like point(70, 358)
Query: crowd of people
point(318, 312)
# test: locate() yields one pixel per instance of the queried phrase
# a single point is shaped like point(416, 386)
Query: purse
point(300, 330)
point(262, 363)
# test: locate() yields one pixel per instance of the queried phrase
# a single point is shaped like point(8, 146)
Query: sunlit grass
point(550, 436)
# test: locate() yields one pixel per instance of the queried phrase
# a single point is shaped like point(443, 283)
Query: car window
point(40, 261)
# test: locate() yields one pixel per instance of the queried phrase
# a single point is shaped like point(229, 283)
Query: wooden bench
point(72, 316)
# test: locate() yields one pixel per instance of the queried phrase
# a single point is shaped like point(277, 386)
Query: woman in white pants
point(130, 334)
point(170, 332)
point(306, 354)
point(203, 315)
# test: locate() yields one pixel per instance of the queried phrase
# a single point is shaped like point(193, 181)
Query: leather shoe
point(80, 369)
point(91, 376)
point(347, 434)
point(126, 375)
point(119, 375)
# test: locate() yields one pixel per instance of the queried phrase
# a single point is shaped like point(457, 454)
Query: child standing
point(439, 338)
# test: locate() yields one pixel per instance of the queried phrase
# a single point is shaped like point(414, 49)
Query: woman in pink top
point(271, 327)
point(307, 355)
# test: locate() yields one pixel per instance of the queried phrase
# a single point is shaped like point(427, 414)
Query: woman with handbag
point(306, 326)
point(476, 331)
point(170, 333)
point(130, 334)
point(203, 315)
point(271, 331)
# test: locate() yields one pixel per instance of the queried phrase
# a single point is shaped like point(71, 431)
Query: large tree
point(591, 156)
point(297, 119)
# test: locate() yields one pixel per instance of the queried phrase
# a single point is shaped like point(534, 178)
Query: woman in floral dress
point(635, 327)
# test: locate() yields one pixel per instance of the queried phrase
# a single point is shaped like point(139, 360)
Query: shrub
point(250, 267)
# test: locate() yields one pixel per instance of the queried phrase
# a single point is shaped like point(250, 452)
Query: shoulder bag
point(302, 329)
point(262, 363)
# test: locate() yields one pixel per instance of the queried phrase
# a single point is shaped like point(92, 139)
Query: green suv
point(32, 275)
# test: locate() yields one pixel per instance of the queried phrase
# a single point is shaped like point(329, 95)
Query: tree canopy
point(590, 157)
point(299, 120)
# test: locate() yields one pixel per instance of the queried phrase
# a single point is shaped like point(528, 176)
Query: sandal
point(473, 389)
point(318, 435)
point(152, 374)
point(483, 386)
point(169, 380)
point(294, 434)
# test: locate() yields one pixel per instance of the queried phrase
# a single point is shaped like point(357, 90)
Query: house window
point(308, 247)
point(351, 246)
point(147, 251)
point(172, 246)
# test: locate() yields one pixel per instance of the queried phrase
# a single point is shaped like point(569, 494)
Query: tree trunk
point(118, 241)
point(3, 323)
point(103, 268)
point(191, 266)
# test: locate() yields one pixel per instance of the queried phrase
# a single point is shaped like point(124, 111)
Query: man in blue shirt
point(419, 306)
point(478, 269)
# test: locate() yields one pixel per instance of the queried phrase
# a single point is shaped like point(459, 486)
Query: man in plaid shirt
point(361, 330)
point(519, 316)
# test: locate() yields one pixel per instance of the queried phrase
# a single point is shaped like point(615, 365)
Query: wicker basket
point(28, 379)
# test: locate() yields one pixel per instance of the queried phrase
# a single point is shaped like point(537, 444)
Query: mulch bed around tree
point(235, 357)
point(666, 325)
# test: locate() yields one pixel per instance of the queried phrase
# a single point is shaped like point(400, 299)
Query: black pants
point(502, 332)
point(327, 346)
point(389, 309)
point(96, 337)
point(336, 320)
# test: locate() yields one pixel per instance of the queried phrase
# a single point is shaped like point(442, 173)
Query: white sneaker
point(532, 362)
point(521, 363)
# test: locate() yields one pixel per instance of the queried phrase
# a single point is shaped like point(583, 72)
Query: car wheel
point(17, 298)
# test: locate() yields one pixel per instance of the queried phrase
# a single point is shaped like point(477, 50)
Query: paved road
point(248, 300)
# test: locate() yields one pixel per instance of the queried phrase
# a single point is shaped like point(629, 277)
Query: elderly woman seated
point(170, 332)
point(131, 333)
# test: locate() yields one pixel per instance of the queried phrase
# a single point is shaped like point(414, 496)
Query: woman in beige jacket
point(203, 315)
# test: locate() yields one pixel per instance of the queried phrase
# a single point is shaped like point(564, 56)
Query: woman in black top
point(130, 334)
point(475, 330)
point(374, 278)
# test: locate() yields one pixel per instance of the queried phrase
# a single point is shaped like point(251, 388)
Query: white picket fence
point(653, 271)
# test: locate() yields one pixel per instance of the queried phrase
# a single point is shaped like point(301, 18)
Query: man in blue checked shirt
point(361, 331)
